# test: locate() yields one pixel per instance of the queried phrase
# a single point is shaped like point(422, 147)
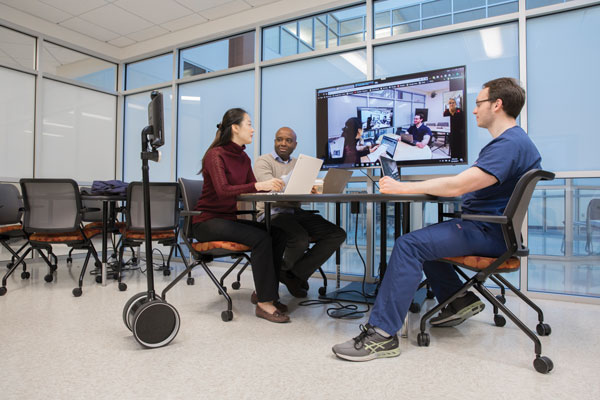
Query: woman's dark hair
point(350, 130)
point(224, 133)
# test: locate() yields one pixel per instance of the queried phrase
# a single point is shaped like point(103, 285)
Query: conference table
point(401, 225)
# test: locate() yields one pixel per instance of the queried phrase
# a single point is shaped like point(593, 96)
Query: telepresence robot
point(153, 321)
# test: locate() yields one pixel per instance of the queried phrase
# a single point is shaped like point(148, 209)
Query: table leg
point(104, 240)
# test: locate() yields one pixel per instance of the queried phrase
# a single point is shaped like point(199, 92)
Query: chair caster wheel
point(543, 365)
point(9, 265)
point(166, 272)
point(499, 320)
point(48, 278)
point(414, 308)
point(122, 286)
point(322, 291)
point(2, 291)
point(224, 290)
point(227, 316)
point(236, 285)
point(430, 294)
point(543, 329)
point(25, 275)
point(69, 262)
point(98, 264)
point(501, 299)
point(77, 292)
point(98, 278)
point(423, 339)
point(190, 281)
point(134, 261)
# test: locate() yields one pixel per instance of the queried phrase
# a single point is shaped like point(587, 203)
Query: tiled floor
point(55, 346)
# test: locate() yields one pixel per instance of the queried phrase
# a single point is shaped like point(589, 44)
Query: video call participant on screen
point(353, 149)
point(420, 132)
point(457, 127)
point(486, 188)
point(299, 261)
point(227, 173)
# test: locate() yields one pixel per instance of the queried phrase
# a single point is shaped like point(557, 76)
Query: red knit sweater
point(227, 173)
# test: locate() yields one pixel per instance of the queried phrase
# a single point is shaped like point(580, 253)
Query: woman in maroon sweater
point(227, 173)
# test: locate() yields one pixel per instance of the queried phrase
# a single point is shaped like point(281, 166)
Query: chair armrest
point(190, 213)
point(496, 219)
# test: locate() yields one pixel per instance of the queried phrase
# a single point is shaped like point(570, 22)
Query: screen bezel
point(322, 142)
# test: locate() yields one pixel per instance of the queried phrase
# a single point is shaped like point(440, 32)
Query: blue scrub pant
point(415, 252)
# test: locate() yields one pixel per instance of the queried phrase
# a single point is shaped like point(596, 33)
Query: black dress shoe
point(293, 284)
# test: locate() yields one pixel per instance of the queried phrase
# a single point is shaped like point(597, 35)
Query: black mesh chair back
point(164, 206)
point(191, 191)
point(517, 205)
point(51, 205)
point(10, 205)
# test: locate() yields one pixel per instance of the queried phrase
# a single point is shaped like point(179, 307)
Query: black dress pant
point(266, 250)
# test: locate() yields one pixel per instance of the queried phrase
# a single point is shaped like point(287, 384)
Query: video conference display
point(414, 119)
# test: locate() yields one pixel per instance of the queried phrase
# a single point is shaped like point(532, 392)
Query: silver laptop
point(302, 178)
point(335, 180)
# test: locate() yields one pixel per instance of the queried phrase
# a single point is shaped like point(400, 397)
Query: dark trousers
point(266, 250)
point(416, 252)
point(301, 228)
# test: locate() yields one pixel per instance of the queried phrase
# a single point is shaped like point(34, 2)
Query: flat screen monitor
point(156, 119)
point(347, 139)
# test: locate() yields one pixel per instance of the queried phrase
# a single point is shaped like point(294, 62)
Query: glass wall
point(529, 4)
point(17, 109)
point(564, 237)
point(16, 49)
point(201, 107)
point(216, 56)
point(395, 17)
point(149, 72)
point(78, 133)
point(567, 88)
point(314, 33)
point(60, 61)
point(136, 118)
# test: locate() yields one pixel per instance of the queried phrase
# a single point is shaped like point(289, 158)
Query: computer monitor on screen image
point(384, 109)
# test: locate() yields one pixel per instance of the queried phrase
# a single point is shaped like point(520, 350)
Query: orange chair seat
point(140, 235)
point(61, 237)
point(10, 228)
point(219, 244)
point(479, 263)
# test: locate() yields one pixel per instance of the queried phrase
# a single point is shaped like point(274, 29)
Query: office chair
point(11, 229)
point(52, 215)
point(204, 252)
point(486, 267)
point(164, 208)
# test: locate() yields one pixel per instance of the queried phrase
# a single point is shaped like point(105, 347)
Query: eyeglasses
point(478, 102)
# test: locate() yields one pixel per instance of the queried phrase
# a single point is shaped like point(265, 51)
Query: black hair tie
point(218, 126)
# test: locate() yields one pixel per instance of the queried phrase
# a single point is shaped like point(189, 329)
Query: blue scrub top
point(507, 157)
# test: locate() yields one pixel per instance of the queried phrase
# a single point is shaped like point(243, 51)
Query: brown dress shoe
point(278, 305)
point(277, 316)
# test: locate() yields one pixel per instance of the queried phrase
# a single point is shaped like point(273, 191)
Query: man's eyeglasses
point(478, 102)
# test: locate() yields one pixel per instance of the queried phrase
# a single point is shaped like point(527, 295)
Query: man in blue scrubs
point(485, 189)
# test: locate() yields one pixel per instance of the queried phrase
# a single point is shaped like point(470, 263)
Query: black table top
point(344, 197)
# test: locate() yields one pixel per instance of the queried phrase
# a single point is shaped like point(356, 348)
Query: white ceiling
point(122, 23)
